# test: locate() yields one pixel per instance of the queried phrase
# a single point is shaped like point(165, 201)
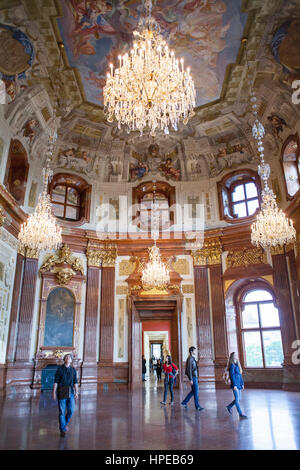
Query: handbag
point(64, 392)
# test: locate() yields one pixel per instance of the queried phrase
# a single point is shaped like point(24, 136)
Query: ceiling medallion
point(150, 88)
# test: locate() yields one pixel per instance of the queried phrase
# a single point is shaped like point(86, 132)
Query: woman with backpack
point(170, 371)
point(236, 383)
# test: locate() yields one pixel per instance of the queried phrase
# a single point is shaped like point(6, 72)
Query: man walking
point(192, 373)
point(144, 370)
point(66, 389)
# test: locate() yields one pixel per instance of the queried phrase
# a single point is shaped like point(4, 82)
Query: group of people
point(65, 388)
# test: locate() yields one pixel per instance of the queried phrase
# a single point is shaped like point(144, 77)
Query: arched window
point(291, 164)
point(144, 196)
point(17, 171)
point(260, 329)
point(70, 197)
point(239, 195)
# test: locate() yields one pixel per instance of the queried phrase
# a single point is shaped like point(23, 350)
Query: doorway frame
point(135, 336)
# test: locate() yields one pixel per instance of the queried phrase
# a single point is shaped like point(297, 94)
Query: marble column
point(89, 373)
point(291, 374)
point(214, 261)
point(20, 371)
point(105, 365)
point(203, 322)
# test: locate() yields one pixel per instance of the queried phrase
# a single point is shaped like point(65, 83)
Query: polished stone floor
point(124, 421)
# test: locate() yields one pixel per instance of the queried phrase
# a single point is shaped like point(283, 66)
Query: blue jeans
point(169, 383)
point(193, 393)
point(237, 396)
point(143, 376)
point(67, 404)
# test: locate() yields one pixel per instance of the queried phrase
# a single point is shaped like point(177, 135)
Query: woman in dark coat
point(236, 384)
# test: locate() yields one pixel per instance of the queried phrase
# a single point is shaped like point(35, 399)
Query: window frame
point(225, 189)
point(84, 192)
point(65, 204)
point(250, 287)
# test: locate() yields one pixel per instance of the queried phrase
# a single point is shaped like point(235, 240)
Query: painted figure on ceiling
point(276, 123)
point(169, 170)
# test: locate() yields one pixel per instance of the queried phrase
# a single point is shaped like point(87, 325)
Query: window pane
point(257, 295)
point(251, 190)
point(253, 349)
point(269, 315)
point(58, 210)
point(72, 197)
point(58, 194)
point(238, 194)
point(250, 316)
point(252, 206)
point(240, 209)
point(72, 213)
point(273, 348)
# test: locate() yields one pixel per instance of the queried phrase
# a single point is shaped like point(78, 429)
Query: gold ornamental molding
point(181, 266)
point(121, 290)
point(277, 250)
point(101, 255)
point(53, 263)
point(187, 289)
point(210, 254)
point(2, 216)
point(246, 257)
point(127, 267)
point(27, 252)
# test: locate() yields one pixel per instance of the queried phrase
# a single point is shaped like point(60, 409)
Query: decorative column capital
point(246, 257)
point(109, 256)
point(94, 258)
point(28, 252)
point(210, 254)
point(104, 255)
point(277, 250)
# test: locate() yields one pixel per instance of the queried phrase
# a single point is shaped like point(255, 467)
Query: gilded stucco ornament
point(246, 257)
point(210, 254)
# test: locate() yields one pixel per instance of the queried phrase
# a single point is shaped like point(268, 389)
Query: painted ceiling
point(207, 33)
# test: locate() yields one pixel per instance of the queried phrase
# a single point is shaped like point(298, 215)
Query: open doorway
point(155, 326)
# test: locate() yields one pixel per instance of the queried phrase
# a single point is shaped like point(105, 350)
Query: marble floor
point(125, 421)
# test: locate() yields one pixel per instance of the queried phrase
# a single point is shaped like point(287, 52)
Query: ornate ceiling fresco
point(206, 33)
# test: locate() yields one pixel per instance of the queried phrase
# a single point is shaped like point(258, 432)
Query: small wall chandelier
point(272, 227)
point(40, 231)
point(150, 88)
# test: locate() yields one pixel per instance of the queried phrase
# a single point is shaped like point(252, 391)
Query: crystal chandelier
point(150, 88)
point(40, 231)
point(156, 274)
point(272, 227)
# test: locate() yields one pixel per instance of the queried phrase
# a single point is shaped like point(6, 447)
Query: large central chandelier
point(150, 88)
point(272, 227)
point(156, 274)
point(40, 231)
